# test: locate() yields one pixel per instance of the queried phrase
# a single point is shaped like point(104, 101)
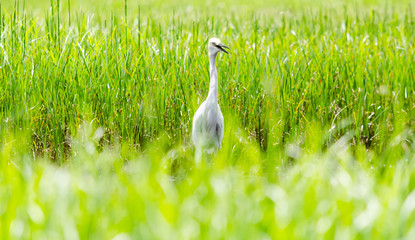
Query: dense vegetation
point(96, 101)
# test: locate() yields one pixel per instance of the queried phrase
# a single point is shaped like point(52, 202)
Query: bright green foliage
point(157, 194)
point(96, 101)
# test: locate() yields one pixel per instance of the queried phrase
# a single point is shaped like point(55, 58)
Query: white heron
point(208, 124)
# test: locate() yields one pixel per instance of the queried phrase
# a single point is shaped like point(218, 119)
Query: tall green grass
point(144, 73)
point(318, 103)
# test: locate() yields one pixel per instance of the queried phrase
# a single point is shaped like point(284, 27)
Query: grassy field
point(97, 98)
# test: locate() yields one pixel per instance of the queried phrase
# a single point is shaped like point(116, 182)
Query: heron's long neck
point(213, 87)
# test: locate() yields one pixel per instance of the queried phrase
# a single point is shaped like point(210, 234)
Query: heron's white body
point(208, 124)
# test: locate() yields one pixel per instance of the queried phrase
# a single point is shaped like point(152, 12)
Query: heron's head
point(216, 46)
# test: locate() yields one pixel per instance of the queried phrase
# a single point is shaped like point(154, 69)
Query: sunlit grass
point(96, 103)
point(114, 192)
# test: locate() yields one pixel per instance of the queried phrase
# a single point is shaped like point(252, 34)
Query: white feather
point(208, 123)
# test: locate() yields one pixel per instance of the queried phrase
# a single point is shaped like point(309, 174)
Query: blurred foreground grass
point(119, 194)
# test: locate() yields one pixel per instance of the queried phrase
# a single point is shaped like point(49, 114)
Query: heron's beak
point(221, 46)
